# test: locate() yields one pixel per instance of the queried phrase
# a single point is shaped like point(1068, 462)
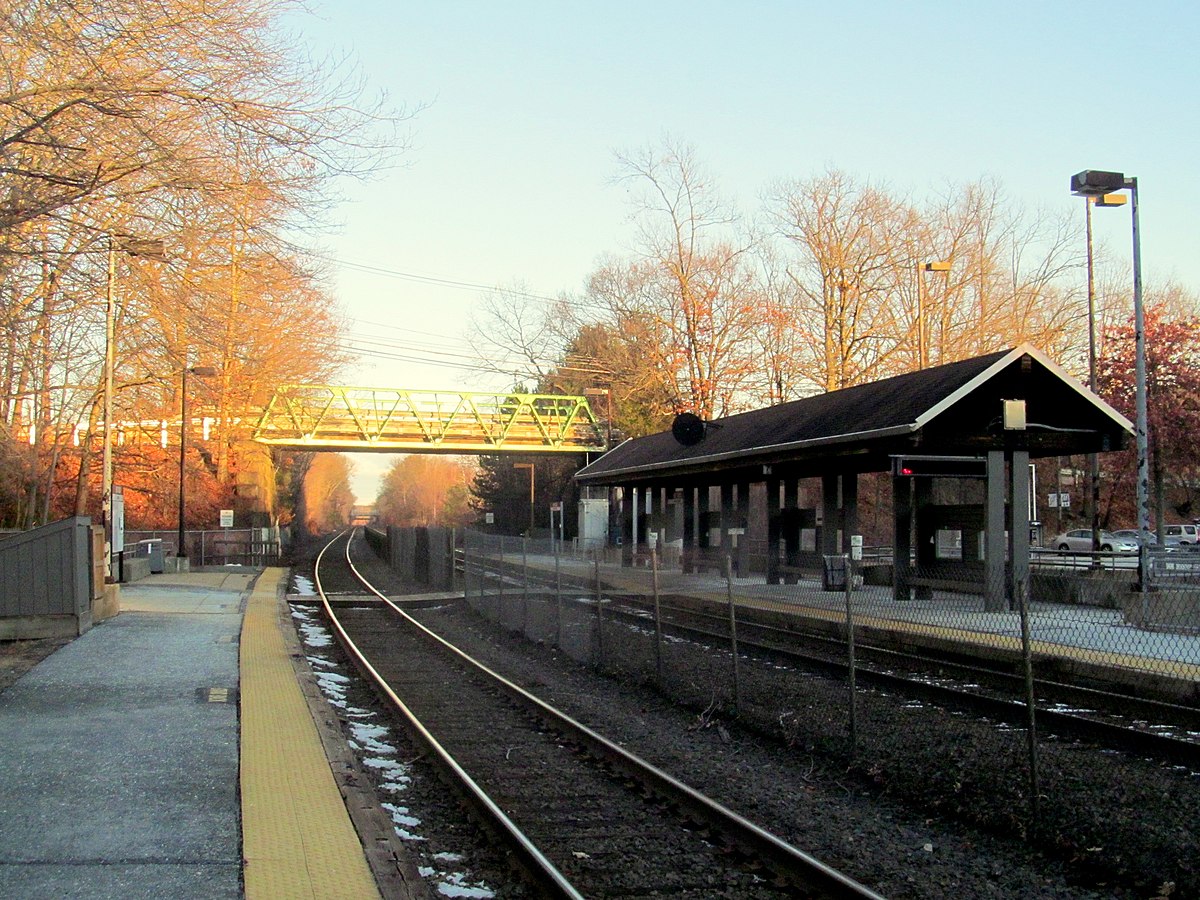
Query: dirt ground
point(18, 657)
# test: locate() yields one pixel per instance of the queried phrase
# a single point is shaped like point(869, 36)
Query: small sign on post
point(227, 518)
point(856, 545)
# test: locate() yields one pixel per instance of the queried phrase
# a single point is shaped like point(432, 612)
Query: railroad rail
point(583, 816)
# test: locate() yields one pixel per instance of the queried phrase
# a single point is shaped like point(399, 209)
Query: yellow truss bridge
point(315, 416)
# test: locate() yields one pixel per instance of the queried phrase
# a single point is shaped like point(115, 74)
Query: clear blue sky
point(508, 177)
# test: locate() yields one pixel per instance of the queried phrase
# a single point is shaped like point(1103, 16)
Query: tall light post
point(152, 249)
point(937, 265)
point(1093, 501)
point(528, 466)
point(200, 372)
point(1092, 183)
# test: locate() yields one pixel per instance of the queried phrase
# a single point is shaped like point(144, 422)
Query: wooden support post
point(727, 522)
point(994, 580)
point(773, 531)
point(743, 522)
point(829, 515)
point(688, 556)
point(791, 529)
point(902, 537)
point(1018, 526)
point(627, 526)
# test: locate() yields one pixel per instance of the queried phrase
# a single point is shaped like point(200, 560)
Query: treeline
point(171, 153)
point(837, 281)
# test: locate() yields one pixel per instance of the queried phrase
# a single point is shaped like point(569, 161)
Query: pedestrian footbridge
point(391, 420)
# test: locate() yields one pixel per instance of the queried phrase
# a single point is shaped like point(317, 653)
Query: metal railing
point(215, 547)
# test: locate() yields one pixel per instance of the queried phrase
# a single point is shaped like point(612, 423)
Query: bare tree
point(849, 273)
point(689, 284)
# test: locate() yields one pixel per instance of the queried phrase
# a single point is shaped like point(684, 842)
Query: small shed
point(982, 418)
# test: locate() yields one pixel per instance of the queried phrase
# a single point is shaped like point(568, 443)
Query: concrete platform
point(120, 751)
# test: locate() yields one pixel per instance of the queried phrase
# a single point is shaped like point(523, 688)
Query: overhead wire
point(448, 351)
point(450, 283)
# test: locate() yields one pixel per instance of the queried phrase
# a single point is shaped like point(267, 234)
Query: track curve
point(582, 816)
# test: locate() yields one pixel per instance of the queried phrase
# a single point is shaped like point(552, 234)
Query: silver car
point(1132, 534)
point(1080, 541)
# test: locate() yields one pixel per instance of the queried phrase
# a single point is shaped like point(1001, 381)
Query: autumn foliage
point(1172, 406)
point(197, 130)
point(425, 490)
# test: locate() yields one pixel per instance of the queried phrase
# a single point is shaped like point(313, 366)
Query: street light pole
point(203, 372)
point(1143, 455)
point(152, 248)
point(921, 268)
point(1098, 184)
point(1093, 458)
point(109, 356)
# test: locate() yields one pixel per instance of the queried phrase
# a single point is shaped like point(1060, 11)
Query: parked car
point(1132, 534)
point(1080, 541)
point(1180, 535)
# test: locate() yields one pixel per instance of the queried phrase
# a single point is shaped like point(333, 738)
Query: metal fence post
point(525, 584)
point(481, 571)
point(599, 617)
point(466, 586)
point(558, 604)
point(1021, 588)
point(500, 590)
point(850, 661)
point(733, 641)
point(658, 664)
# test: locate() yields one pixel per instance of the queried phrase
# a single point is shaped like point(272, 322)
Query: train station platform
point(128, 772)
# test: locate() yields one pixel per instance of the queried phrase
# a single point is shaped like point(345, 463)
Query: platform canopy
point(951, 410)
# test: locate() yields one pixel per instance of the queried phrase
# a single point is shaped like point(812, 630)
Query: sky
point(508, 179)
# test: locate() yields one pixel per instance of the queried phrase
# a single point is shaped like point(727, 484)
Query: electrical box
point(593, 524)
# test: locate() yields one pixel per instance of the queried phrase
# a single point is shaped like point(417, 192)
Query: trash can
point(152, 549)
point(833, 573)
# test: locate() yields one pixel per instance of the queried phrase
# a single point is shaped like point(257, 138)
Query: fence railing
point(215, 547)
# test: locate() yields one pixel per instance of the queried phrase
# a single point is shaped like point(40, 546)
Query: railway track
point(582, 816)
point(1112, 720)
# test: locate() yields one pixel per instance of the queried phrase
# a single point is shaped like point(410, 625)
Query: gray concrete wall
point(422, 555)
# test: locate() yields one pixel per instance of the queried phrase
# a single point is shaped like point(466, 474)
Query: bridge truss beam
point(388, 420)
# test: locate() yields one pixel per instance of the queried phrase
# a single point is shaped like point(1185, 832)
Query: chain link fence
point(1082, 616)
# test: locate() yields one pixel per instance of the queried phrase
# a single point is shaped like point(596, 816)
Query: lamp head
point(1095, 183)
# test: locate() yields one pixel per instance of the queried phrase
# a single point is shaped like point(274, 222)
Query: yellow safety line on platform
point(297, 838)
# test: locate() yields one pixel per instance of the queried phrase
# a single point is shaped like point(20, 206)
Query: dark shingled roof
point(857, 427)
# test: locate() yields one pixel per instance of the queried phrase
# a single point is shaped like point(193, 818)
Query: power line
point(452, 283)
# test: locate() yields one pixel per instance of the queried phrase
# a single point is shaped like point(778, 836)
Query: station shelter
point(973, 424)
